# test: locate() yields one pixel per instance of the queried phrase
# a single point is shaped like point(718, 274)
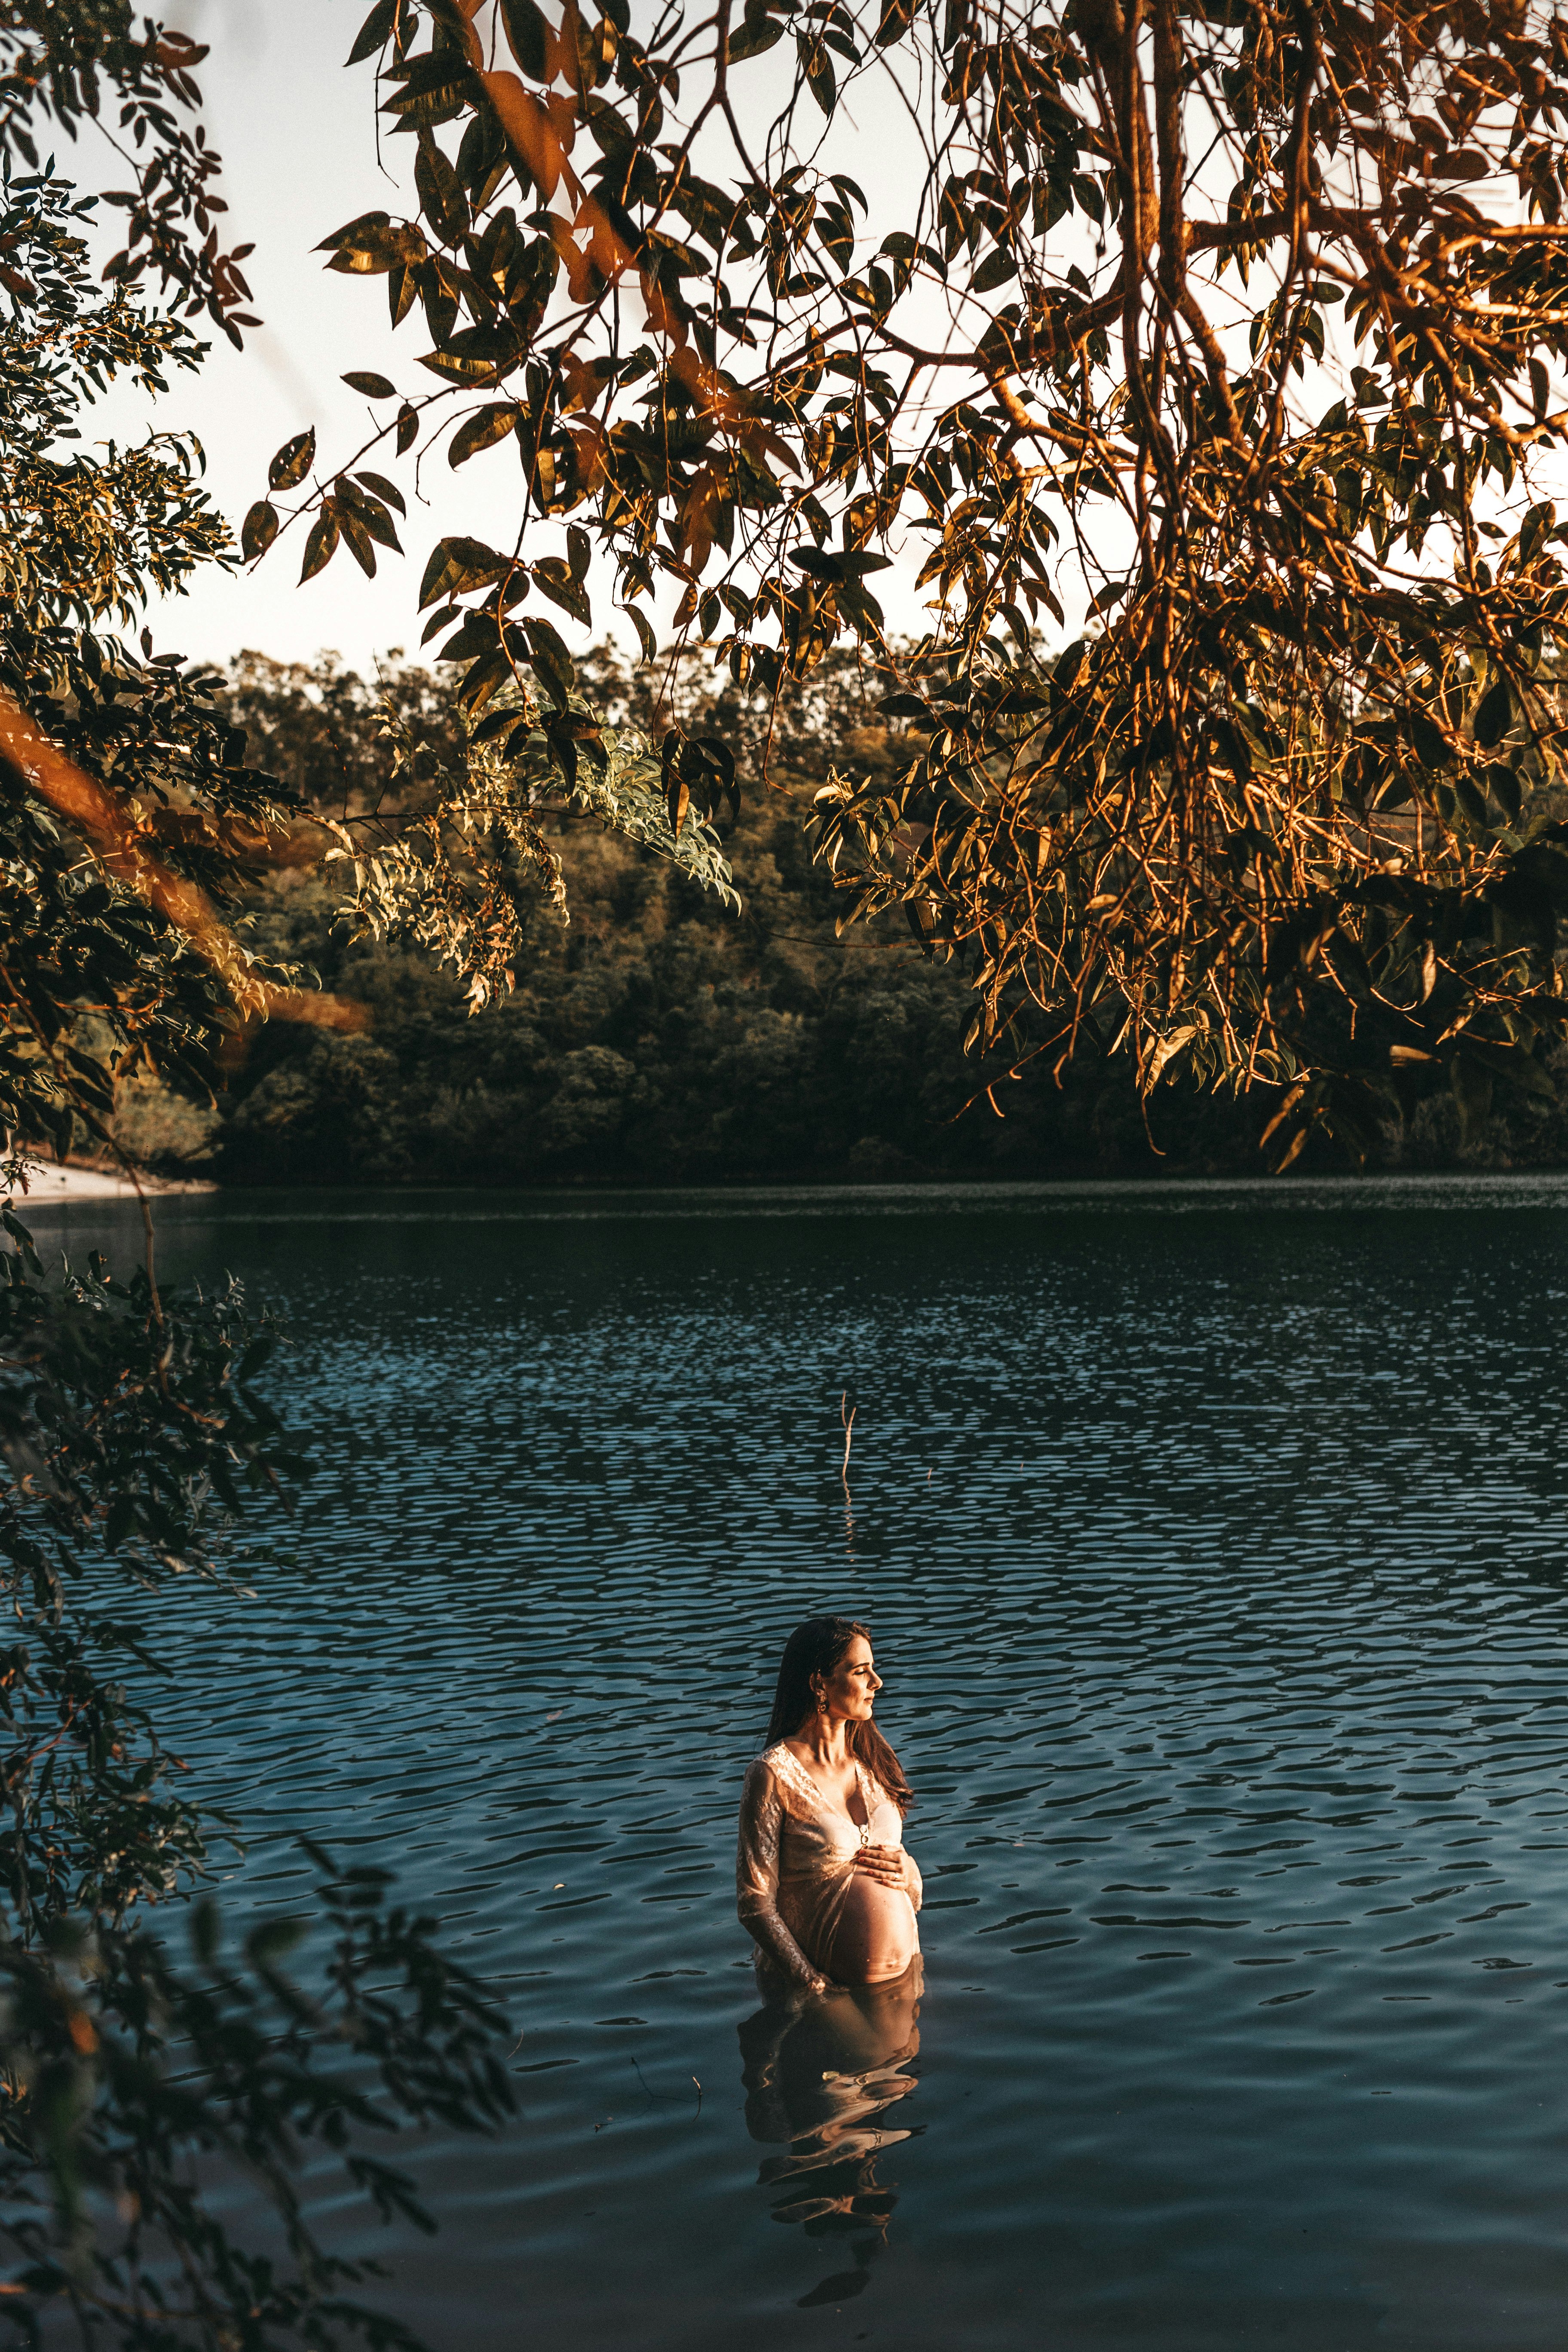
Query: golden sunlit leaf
point(292, 462)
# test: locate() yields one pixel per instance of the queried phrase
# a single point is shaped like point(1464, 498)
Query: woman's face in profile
point(853, 1683)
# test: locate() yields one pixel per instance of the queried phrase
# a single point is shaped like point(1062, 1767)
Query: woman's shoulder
point(778, 1765)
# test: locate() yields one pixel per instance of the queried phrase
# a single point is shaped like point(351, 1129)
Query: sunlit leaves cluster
point(83, 536)
point(462, 864)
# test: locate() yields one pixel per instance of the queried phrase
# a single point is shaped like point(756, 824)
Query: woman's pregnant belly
point(876, 1937)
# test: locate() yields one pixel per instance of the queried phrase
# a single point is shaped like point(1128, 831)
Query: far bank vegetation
point(655, 1035)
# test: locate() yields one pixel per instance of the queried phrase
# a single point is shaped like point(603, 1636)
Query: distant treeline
point(657, 1038)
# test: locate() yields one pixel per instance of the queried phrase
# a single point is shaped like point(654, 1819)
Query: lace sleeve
point(757, 1878)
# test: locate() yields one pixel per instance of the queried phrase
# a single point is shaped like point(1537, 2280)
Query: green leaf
point(402, 291)
point(1471, 799)
point(818, 563)
point(995, 270)
point(367, 512)
point(1495, 712)
point(720, 761)
point(374, 386)
point(483, 677)
point(1431, 744)
point(554, 664)
point(292, 462)
point(1534, 530)
point(529, 37)
point(478, 635)
point(20, 1233)
point(1507, 789)
point(374, 33)
point(321, 545)
point(646, 638)
point(407, 429)
point(366, 246)
point(440, 191)
point(477, 355)
point(260, 528)
point(383, 488)
point(482, 430)
point(816, 64)
point(436, 86)
point(205, 1932)
point(552, 578)
point(354, 526)
point(457, 566)
point(758, 32)
point(272, 1941)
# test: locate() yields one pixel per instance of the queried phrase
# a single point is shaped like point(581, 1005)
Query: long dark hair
point(811, 1654)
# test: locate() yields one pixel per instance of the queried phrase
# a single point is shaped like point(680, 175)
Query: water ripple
point(1213, 1541)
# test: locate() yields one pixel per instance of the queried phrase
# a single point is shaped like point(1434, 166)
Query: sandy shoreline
point(50, 1186)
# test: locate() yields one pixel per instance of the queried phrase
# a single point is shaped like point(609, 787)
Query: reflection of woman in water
point(823, 1881)
point(821, 2077)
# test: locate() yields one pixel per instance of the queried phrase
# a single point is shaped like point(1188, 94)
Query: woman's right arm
point(757, 1879)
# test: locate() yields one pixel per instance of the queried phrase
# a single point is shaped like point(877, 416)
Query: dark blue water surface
point(1213, 1542)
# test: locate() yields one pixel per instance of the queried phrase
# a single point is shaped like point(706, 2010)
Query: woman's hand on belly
point(876, 1933)
point(885, 1864)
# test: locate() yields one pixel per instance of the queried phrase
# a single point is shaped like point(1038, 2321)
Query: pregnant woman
point(822, 1879)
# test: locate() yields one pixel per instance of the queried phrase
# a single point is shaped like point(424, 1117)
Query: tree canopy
point(1216, 348)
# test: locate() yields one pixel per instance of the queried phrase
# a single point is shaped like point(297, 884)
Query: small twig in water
point(848, 1421)
point(653, 2094)
point(642, 2078)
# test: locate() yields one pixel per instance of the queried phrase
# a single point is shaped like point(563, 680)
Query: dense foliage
point(121, 955)
point(131, 1430)
point(655, 1035)
point(1243, 322)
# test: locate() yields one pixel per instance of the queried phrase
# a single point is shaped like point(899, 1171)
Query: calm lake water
point(1213, 1545)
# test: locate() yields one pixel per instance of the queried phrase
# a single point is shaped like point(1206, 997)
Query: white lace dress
point(795, 1862)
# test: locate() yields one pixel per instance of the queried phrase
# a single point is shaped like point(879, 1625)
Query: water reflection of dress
point(795, 1864)
point(820, 2080)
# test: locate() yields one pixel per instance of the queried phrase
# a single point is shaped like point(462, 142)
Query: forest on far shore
point(658, 1038)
